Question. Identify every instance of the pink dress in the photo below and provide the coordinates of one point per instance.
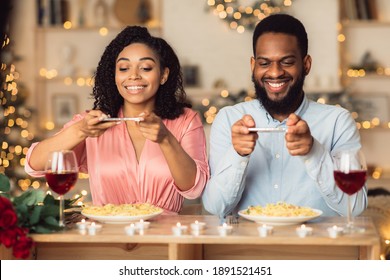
(116, 177)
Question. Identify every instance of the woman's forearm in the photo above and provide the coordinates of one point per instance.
(67, 139)
(182, 166)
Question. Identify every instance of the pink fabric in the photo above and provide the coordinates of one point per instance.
(116, 177)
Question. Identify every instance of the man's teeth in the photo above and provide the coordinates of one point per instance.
(134, 87)
(276, 84)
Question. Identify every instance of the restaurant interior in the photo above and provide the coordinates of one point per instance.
(52, 49)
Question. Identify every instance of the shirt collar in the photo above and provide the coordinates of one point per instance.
(299, 112)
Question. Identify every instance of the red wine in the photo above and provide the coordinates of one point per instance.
(61, 183)
(352, 182)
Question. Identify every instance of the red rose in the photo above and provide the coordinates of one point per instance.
(8, 218)
(5, 203)
(9, 236)
(22, 248)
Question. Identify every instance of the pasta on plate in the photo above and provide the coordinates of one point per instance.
(280, 209)
(137, 209)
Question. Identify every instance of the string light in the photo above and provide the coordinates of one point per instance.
(242, 17)
(14, 137)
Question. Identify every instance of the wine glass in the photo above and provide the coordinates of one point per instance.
(350, 174)
(61, 174)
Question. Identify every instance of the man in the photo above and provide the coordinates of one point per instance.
(256, 168)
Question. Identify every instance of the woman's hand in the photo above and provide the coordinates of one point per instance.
(92, 126)
(152, 127)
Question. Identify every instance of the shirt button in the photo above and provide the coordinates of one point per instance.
(243, 163)
(277, 155)
(307, 161)
(276, 186)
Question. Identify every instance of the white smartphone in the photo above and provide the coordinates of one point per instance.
(268, 129)
(121, 119)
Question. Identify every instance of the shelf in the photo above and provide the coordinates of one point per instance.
(365, 23)
(116, 29)
(370, 77)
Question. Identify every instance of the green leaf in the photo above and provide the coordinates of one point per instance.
(23, 198)
(35, 215)
(5, 185)
(50, 210)
(42, 229)
(49, 199)
(51, 221)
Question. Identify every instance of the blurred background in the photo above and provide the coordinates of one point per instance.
(52, 48)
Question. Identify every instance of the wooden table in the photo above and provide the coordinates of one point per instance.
(158, 242)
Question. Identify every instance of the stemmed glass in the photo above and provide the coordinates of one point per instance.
(61, 174)
(350, 174)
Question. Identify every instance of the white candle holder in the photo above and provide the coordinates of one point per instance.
(82, 225)
(93, 228)
(225, 229)
(265, 230)
(198, 226)
(335, 231)
(304, 231)
(130, 230)
(179, 229)
(142, 225)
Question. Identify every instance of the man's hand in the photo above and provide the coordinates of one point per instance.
(243, 140)
(298, 137)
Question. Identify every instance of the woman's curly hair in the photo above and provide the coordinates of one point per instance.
(170, 97)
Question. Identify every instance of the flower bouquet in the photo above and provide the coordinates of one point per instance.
(31, 212)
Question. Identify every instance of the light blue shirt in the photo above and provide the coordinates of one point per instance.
(270, 174)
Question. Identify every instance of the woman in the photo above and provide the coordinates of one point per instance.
(160, 159)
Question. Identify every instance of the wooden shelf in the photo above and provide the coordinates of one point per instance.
(364, 23)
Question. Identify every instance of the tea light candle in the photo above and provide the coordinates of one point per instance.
(198, 226)
(335, 231)
(130, 230)
(225, 229)
(179, 229)
(304, 231)
(265, 230)
(82, 225)
(93, 228)
(141, 225)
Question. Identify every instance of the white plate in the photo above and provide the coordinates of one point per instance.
(279, 221)
(121, 219)
(268, 129)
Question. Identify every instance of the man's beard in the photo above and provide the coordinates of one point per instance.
(287, 105)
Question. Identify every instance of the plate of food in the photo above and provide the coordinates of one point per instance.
(280, 214)
(121, 214)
